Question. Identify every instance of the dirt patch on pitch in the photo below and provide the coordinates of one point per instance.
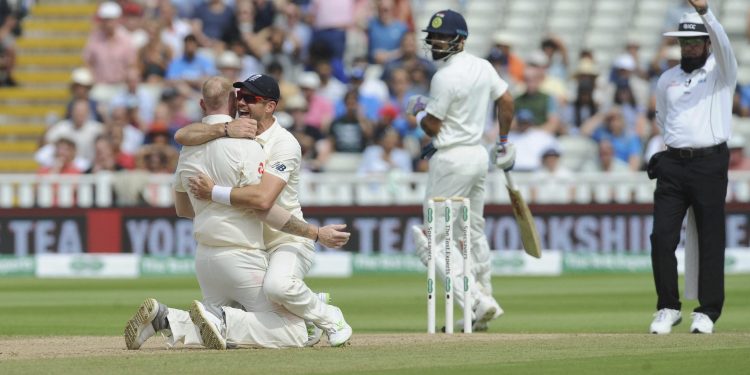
(24, 348)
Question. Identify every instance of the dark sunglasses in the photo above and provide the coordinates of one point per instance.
(690, 41)
(250, 98)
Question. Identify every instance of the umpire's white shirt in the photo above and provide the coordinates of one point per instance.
(284, 156)
(460, 93)
(695, 109)
(229, 162)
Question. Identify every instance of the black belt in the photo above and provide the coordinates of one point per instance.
(692, 153)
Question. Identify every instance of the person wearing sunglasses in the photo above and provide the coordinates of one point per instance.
(693, 110)
(290, 256)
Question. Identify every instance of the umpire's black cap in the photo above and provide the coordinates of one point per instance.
(261, 85)
(448, 22)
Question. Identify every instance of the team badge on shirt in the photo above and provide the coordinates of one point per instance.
(279, 166)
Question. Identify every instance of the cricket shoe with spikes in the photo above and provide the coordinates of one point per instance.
(209, 326)
(340, 333)
(151, 317)
(313, 332)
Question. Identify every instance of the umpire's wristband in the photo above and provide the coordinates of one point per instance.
(221, 194)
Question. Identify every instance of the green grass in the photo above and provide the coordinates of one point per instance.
(565, 325)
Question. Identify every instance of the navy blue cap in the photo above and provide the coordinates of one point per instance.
(261, 85)
(448, 22)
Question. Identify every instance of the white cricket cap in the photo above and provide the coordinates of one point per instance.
(109, 10)
(503, 38)
(82, 76)
(295, 102)
(538, 58)
(587, 66)
(691, 25)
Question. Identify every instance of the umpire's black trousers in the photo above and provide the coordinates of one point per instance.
(698, 179)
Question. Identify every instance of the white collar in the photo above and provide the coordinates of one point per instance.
(262, 138)
(216, 119)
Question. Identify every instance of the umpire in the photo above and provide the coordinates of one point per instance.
(693, 110)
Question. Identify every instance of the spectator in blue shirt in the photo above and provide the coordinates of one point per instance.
(384, 33)
(190, 68)
(627, 146)
(212, 18)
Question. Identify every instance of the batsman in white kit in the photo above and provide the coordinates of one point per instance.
(231, 260)
(454, 116)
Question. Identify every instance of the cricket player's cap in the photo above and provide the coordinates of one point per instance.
(691, 25)
(261, 85)
(447, 22)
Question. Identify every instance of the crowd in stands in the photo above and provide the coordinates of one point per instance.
(346, 70)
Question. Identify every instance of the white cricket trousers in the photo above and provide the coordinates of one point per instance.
(284, 284)
(462, 171)
(231, 282)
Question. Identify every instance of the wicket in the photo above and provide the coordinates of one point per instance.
(447, 207)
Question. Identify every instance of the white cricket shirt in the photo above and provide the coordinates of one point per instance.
(229, 162)
(695, 109)
(460, 93)
(284, 156)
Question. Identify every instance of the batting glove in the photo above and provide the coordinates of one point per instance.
(416, 103)
(505, 155)
(427, 151)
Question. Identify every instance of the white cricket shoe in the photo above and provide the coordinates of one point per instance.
(420, 241)
(209, 326)
(701, 323)
(341, 332)
(487, 309)
(313, 332)
(664, 320)
(141, 326)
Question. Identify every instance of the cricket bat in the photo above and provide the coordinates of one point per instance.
(526, 224)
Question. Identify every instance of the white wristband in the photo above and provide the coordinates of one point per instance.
(420, 115)
(221, 194)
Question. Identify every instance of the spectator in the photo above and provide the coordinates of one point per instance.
(607, 161)
(507, 63)
(132, 137)
(557, 57)
(622, 74)
(408, 58)
(370, 104)
(64, 156)
(633, 48)
(742, 99)
(123, 156)
(138, 100)
(610, 126)
(83, 131)
(299, 33)
(11, 13)
(243, 30)
(320, 111)
(287, 89)
(330, 86)
(386, 156)
(265, 13)
(104, 157)
(277, 52)
(372, 82)
(583, 106)
(635, 116)
(211, 20)
(173, 28)
(154, 56)
(109, 52)
(134, 22)
(81, 82)
(190, 69)
(158, 156)
(527, 136)
(229, 66)
(331, 19)
(384, 34)
(559, 181)
(315, 147)
(350, 132)
(541, 105)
